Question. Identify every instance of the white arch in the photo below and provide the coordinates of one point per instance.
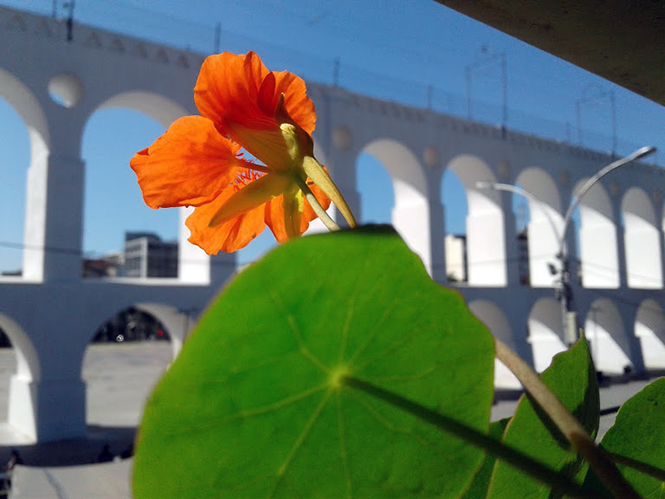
(642, 241)
(158, 107)
(607, 337)
(21, 98)
(485, 231)
(650, 329)
(124, 393)
(598, 239)
(193, 262)
(545, 224)
(545, 332)
(410, 214)
(495, 320)
(177, 324)
(14, 163)
(21, 414)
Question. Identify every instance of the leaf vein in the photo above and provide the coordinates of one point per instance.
(295, 329)
(392, 347)
(387, 424)
(300, 440)
(376, 328)
(342, 445)
(244, 414)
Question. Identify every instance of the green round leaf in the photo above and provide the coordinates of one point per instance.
(572, 377)
(255, 405)
(639, 433)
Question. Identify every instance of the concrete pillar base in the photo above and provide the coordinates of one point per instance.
(22, 406)
(48, 410)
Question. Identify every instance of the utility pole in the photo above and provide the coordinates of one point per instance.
(589, 99)
(336, 65)
(484, 63)
(70, 19)
(218, 37)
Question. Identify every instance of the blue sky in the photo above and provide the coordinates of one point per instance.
(403, 51)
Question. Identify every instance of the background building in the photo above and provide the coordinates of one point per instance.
(146, 255)
(456, 270)
(110, 265)
(523, 256)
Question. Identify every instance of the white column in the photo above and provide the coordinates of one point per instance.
(54, 219)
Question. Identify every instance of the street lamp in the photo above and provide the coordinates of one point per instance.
(518, 190)
(564, 292)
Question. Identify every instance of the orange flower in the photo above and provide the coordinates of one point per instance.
(198, 161)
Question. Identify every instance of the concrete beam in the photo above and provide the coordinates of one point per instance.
(618, 40)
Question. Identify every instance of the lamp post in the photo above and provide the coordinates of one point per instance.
(563, 291)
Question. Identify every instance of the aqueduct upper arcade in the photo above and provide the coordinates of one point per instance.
(51, 312)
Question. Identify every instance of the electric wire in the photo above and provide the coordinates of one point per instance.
(168, 29)
(576, 265)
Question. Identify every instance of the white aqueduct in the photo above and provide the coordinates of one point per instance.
(51, 312)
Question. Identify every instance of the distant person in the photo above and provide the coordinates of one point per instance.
(128, 452)
(14, 459)
(105, 455)
(6, 475)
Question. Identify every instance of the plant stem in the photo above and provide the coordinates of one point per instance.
(316, 206)
(640, 466)
(566, 422)
(514, 457)
(320, 177)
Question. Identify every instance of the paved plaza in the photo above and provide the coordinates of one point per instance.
(119, 378)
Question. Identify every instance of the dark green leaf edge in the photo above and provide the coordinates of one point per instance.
(587, 413)
(481, 481)
(622, 428)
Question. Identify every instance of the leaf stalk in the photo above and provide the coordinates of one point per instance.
(567, 423)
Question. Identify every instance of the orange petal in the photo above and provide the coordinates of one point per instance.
(235, 90)
(227, 91)
(190, 164)
(298, 105)
(229, 236)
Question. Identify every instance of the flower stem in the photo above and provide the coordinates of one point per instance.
(316, 206)
(512, 456)
(320, 177)
(604, 469)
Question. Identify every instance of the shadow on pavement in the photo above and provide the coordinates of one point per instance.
(74, 451)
